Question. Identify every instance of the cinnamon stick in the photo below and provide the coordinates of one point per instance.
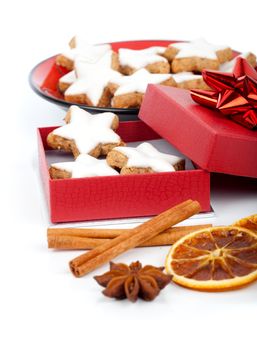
(107, 251)
(90, 238)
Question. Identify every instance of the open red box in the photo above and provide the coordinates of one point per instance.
(107, 197)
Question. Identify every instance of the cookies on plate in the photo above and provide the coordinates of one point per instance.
(229, 66)
(189, 80)
(151, 59)
(128, 91)
(100, 77)
(91, 84)
(194, 56)
(80, 48)
(66, 81)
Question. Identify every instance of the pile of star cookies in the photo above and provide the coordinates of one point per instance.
(100, 77)
(89, 137)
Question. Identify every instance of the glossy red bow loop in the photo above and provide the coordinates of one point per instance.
(234, 94)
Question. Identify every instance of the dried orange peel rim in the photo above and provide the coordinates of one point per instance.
(210, 285)
(249, 222)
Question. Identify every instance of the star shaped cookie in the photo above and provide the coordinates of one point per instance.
(197, 55)
(86, 134)
(66, 80)
(144, 158)
(79, 47)
(91, 85)
(83, 166)
(82, 67)
(138, 81)
(129, 90)
(150, 59)
(229, 66)
(189, 80)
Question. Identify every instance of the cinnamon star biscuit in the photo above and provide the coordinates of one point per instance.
(86, 134)
(79, 47)
(144, 158)
(91, 85)
(83, 166)
(150, 59)
(129, 90)
(197, 55)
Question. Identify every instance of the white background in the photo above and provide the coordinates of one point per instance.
(42, 306)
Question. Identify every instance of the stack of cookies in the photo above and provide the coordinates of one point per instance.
(100, 77)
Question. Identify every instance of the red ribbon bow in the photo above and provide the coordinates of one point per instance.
(234, 94)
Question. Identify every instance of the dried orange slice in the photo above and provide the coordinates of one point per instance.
(249, 222)
(214, 259)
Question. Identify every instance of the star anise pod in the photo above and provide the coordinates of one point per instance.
(133, 281)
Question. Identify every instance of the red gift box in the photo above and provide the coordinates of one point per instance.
(107, 197)
(214, 142)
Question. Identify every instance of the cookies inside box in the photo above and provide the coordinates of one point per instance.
(90, 145)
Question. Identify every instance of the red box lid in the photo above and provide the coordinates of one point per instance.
(212, 141)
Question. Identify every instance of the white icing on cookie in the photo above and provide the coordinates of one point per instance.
(89, 53)
(229, 66)
(79, 41)
(86, 166)
(197, 48)
(147, 156)
(185, 76)
(137, 82)
(141, 58)
(68, 78)
(92, 78)
(84, 68)
(88, 130)
(157, 50)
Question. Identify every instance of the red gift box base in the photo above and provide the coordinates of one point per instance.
(211, 140)
(120, 196)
